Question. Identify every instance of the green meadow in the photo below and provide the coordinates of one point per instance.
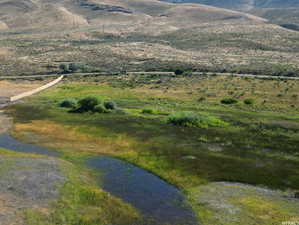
(180, 129)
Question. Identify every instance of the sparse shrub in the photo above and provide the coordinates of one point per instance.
(211, 94)
(229, 101)
(68, 103)
(249, 101)
(190, 119)
(100, 109)
(110, 105)
(201, 99)
(88, 104)
(148, 111)
(183, 71)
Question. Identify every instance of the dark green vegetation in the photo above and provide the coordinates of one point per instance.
(248, 101)
(256, 145)
(88, 104)
(190, 119)
(229, 101)
(68, 103)
(75, 68)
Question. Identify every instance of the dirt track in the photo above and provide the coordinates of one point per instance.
(9, 88)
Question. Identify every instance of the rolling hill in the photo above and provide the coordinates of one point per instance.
(285, 17)
(116, 35)
(243, 4)
(20, 14)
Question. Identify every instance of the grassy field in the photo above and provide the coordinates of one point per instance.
(254, 143)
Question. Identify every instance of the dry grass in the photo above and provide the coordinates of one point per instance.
(40, 36)
(9, 88)
(73, 139)
(270, 94)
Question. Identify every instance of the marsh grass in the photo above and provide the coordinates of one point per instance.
(190, 119)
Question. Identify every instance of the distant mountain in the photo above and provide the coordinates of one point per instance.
(244, 5)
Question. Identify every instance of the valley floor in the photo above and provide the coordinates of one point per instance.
(238, 166)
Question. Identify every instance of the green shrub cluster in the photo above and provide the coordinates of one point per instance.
(148, 111)
(190, 119)
(89, 104)
(229, 101)
(100, 109)
(74, 67)
(110, 105)
(68, 103)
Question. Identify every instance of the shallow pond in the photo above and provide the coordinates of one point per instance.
(160, 202)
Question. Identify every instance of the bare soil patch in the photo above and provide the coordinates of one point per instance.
(27, 183)
(5, 122)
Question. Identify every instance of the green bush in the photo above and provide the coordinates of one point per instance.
(88, 104)
(148, 111)
(100, 109)
(229, 101)
(178, 72)
(249, 101)
(74, 67)
(79, 67)
(64, 67)
(201, 99)
(110, 105)
(68, 103)
(190, 119)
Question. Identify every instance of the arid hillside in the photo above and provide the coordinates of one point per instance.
(44, 14)
(244, 4)
(289, 16)
(114, 35)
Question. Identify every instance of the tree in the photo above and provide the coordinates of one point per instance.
(73, 67)
(64, 67)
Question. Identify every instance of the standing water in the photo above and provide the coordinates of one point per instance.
(155, 198)
(8, 142)
(160, 202)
